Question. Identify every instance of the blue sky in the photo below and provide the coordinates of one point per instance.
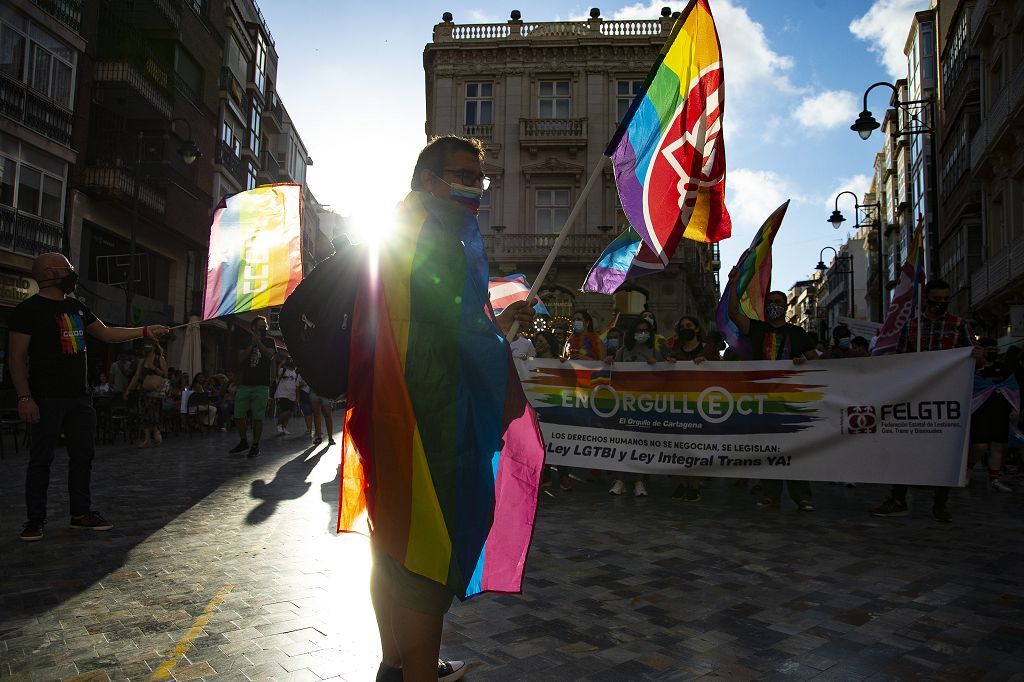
(351, 76)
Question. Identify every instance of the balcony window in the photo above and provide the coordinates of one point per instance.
(483, 216)
(12, 52)
(250, 176)
(624, 94)
(479, 103)
(52, 69)
(554, 99)
(8, 171)
(552, 210)
(260, 65)
(30, 184)
(255, 124)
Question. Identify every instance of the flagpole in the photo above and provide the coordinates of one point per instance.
(576, 209)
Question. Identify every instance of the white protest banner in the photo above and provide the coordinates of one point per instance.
(890, 419)
(860, 327)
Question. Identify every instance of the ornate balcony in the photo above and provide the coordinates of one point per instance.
(481, 131)
(67, 12)
(119, 182)
(24, 105)
(551, 30)
(552, 129)
(528, 248)
(140, 90)
(28, 234)
(234, 165)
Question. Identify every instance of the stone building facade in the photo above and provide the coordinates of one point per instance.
(545, 98)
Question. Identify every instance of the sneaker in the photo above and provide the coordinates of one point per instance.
(692, 495)
(32, 531)
(242, 446)
(318, 440)
(254, 451)
(941, 514)
(680, 492)
(890, 508)
(308, 433)
(639, 489)
(998, 485)
(331, 441)
(805, 506)
(766, 502)
(449, 671)
(91, 521)
(281, 430)
(565, 483)
(617, 488)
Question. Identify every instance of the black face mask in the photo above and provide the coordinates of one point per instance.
(687, 334)
(938, 307)
(67, 283)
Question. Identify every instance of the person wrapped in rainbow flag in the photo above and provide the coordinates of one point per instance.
(442, 449)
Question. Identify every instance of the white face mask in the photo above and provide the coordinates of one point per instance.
(642, 337)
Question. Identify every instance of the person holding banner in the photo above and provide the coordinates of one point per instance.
(937, 329)
(774, 339)
(583, 343)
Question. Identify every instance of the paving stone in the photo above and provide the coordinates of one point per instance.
(616, 589)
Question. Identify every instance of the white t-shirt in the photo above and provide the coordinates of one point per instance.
(522, 347)
(286, 384)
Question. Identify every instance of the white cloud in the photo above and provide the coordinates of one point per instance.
(754, 194)
(826, 110)
(858, 184)
(479, 16)
(749, 59)
(885, 27)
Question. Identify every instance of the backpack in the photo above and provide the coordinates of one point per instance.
(316, 320)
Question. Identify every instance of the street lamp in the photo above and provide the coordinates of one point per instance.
(913, 110)
(189, 152)
(837, 219)
(844, 266)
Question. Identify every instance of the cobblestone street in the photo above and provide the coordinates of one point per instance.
(228, 568)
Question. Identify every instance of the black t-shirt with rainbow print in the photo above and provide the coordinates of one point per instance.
(57, 364)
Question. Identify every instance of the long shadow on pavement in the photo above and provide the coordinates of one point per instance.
(289, 484)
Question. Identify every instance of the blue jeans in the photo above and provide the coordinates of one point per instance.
(76, 418)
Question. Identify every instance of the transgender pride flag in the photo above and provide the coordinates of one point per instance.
(509, 289)
(255, 258)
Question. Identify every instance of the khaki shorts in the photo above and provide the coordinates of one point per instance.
(407, 589)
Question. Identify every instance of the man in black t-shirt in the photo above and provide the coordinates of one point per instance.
(257, 366)
(774, 339)
(49, 370)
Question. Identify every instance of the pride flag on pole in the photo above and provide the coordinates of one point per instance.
(905, 298)
(255, 258)
(668, 153)
(509, 289)
(755, 277)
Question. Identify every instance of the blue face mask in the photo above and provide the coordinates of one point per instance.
(612, 344)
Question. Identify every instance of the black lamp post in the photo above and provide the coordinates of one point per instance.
(837, 219)
(844, 266)
(915, 111)
(189, 152)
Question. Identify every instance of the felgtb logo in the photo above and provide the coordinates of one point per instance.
(861, 419)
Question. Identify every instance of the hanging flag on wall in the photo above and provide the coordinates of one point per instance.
(255, 258)
(905, 298)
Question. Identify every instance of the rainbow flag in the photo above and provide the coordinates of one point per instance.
(627, 257)
(255, 258)
(668, 152)
(443, 450)
(906, 296)
(755, 277)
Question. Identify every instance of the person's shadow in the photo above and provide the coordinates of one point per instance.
(289, 484)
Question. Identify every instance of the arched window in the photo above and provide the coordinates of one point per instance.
(559, 301)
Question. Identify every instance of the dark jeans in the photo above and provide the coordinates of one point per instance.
(798, 490)
(76, 418)
(899, 493)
